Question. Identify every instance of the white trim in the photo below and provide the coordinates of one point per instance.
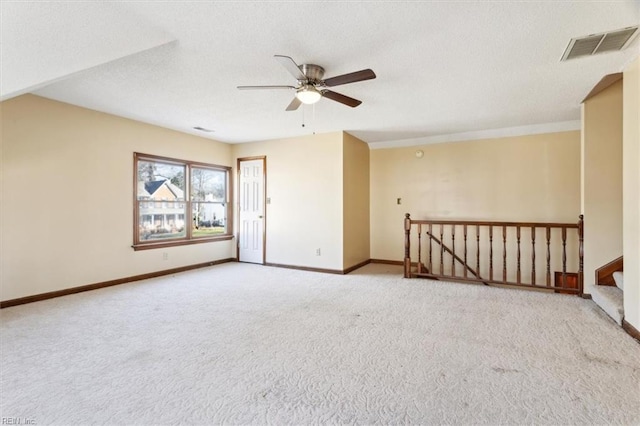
(535, 129)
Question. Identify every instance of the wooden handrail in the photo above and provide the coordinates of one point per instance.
(604, 274)
(485, 223)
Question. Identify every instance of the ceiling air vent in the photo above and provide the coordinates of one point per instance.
(202, 129)
(599, 43)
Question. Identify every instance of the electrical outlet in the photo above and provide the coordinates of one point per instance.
(318, 253)
(399, 201)
(165, 256)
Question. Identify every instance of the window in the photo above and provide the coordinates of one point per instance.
(168, 190)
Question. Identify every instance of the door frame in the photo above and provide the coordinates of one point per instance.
(264, 203)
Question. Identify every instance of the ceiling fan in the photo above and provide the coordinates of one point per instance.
(311, 87)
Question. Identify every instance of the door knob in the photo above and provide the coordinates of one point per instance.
(260, 217)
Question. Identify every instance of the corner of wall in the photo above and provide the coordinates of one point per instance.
(631, 192)
(356, 201)
(601, 179)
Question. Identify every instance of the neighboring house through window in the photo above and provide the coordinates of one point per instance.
(180, 202)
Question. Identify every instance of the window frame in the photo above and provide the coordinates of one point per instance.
(188, 204)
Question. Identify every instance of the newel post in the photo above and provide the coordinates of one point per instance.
(407, 246)
(581, 254)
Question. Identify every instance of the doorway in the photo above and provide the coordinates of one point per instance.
(251, 209)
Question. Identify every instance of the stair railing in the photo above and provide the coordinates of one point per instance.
(511, 245)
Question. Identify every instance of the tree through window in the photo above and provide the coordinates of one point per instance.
(179, 202)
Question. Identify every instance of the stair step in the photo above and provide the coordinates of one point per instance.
(610, 300)
(618, 278)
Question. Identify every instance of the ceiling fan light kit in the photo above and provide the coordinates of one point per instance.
(308, 94)
(311, 87)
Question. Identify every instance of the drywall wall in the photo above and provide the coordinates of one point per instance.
(304, 186)
(602, 180)
(631, 192)
(526, 178)
(67, 201)
(355, 201)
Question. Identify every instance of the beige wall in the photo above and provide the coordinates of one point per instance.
(527, 178)
(324, 189)
(602, 180)
(67, 202)
(355, 201)
(631, 192)
(304, 183)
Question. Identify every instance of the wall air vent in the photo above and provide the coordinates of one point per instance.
(599, 43)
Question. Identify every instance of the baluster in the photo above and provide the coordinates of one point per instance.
(419, 248)
(407, 246)
(465, 250)
(548, 257)
(430, 249)
(453, 250)
(478, 249)
(580, 254)
(564, 257)
(504, 253)
(518, 240)
(490, 252)
(441, 250)
(533, 255)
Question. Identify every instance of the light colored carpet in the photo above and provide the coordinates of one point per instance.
(247, 344)
(611, 300)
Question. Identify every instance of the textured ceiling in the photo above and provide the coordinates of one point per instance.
(443, 67)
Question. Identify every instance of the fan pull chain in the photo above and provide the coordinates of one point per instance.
(313, 118)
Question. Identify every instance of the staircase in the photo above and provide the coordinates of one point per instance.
(610, 298)
(608, 294)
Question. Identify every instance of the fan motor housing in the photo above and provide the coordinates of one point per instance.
(312, 71)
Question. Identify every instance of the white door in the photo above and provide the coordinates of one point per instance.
(251, 230)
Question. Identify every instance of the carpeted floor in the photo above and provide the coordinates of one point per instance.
(248, 344)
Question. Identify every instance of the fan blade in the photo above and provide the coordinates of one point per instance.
(350, 78)
(341, 98)
(291, 66)
(264, 87)
(294, 105)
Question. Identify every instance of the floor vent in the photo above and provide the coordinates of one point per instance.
(599, 43)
